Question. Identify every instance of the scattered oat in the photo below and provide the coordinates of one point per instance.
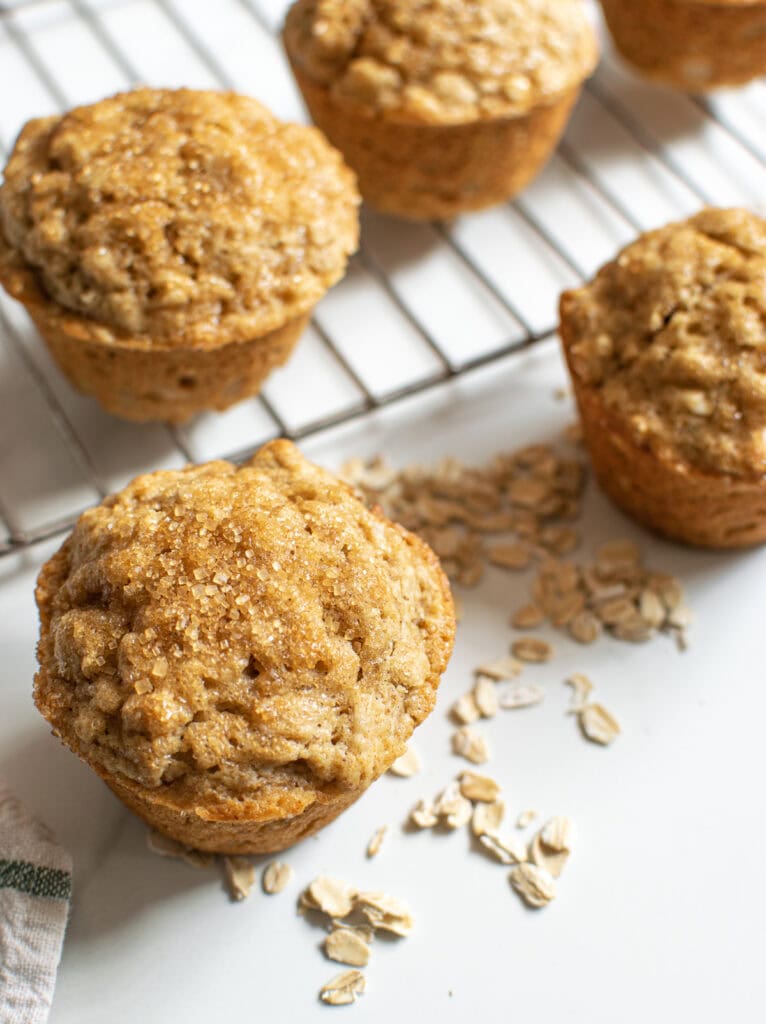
(276, 876)
(240, 876)
(615, 593)
(559, 540)
(558, 833)
(343, 989)
(651, 609)
(423, 815)
(479, 787)
(407, 765)
(453, 807)
(598, 724)
(525, 494)
(485, 697)
(618, 555)
(347, 946)
(529, 492)
(364, 931)
(164, 846)
(535, 885)
(680, 617)
(668, 589)
(460, 815)
(505, 849)
(500, 670)
(464, 709)
(551, 847)
(330, 895)
(525, 818)
(376, 841)
(585, 627)
(385, 913)
(532, 649)
(521, 695)
(528, 617)
(471, 745)
(552, 861)
(487, 818)
(509, 556)
(581, 690)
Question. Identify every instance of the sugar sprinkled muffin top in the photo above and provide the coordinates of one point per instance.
(178, 217)
(672, 334)
(442, 61)
(241, 633)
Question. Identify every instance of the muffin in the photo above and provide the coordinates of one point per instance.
(667, 352)
(170, 245)
(440, 106)
(695, 45)
(240, 651)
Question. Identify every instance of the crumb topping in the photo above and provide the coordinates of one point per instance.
(673, 336)
(442, 61)
(232, 632)
(178, 217)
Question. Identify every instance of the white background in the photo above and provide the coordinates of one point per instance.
(661, 909)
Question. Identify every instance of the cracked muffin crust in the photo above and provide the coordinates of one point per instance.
(667, 352)
(172, 220)
(694, 45)
(411, 90)
(240, 651)
(442, 61)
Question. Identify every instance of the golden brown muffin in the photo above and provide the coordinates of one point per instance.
(440, 106)
(170, 245)
(695, 45)
(667, 352)
(240, 651)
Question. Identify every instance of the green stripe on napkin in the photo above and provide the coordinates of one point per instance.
(37, 881)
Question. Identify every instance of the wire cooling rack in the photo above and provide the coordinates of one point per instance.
(421, 304)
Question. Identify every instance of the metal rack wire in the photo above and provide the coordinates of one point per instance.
(632, 158)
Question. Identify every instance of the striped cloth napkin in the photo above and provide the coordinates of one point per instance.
(35, 889)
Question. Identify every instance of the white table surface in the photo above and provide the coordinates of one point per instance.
(660, 914)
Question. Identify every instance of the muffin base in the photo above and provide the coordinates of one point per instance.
(170, 385)
(436, 172)
(237, 834)
(143, 382)
(691, 46)
(702, 509)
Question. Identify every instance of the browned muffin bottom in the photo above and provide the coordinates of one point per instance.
(175, 223)
(695, 45)
(667, 353)
(440, 107)
(240, 652)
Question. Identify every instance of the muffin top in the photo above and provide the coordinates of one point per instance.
(672, 334)
(241, 633)
(176, 217)
(442, 61)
